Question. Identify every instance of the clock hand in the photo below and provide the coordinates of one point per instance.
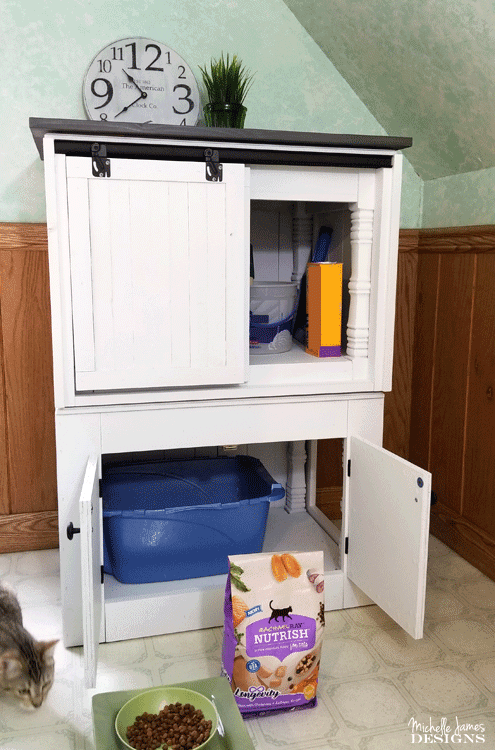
(131, 79)
(142, 96)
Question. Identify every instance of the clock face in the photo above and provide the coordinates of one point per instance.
(140, 80)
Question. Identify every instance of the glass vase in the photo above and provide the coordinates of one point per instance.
(223, 115)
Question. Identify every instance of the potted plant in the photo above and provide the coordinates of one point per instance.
(227, 83)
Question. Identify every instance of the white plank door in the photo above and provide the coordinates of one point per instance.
(92, 587)
(158, 266)
(389, 512)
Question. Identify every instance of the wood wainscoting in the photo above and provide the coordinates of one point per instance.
(28, 497)
(453, 386)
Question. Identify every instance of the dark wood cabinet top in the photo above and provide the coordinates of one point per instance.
(245, 137)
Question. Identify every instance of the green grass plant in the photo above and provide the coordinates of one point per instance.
(227, 80)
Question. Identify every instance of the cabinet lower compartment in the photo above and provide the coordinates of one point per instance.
(146, 609)
(385, 509)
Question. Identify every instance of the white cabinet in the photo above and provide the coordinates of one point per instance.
(149, 271)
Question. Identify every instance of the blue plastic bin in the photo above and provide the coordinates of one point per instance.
(169, 520)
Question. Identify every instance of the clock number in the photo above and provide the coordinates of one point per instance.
(133, 53)
(108, 93)
(184, 98)
(105, 66)
(117, 53)
(182, 71)
(158, 54)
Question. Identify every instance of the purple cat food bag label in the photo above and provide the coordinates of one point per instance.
(271, 650)
(265, 638)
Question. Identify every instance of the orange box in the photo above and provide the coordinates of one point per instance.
(324, 309)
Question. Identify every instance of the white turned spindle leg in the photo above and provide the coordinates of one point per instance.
(358, 323)
(295, 494)
(302, 240)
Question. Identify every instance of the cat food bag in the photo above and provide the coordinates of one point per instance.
(273, 633)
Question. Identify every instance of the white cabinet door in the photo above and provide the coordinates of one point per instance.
(92, 587)
(158, 274)
(389, 512)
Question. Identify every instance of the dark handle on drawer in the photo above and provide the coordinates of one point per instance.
(71, 530)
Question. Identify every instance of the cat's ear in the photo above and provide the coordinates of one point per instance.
(10, 666)
(47, 647)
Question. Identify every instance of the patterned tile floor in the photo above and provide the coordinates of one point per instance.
(375, 680)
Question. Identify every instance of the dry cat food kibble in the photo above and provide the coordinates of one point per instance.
(177, 727)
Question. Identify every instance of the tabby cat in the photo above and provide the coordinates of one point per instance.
(26, 665)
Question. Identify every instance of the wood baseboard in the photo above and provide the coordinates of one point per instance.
(25, 532)
(328, 500)
(464, 538)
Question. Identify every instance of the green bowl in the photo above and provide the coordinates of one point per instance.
(152, 701)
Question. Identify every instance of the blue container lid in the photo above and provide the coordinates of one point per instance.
(163, 487)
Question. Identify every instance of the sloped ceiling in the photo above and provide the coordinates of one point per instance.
(423, 68)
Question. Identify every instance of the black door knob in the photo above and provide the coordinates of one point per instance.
(71, 530)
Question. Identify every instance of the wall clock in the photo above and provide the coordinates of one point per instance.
(140, 80)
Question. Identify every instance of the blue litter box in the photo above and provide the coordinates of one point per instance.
(169, 520)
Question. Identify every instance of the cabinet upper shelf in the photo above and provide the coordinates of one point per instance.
(247, 138)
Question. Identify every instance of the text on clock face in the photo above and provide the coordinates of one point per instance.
(144, 85)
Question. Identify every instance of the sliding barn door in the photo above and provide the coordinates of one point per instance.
(157, 274)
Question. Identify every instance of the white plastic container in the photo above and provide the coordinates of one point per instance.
(272, 313)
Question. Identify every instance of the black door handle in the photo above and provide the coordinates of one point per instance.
(71, 530)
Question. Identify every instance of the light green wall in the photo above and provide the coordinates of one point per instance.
(412, 197)
(48, 45)
(461, 200)
(423, 67)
